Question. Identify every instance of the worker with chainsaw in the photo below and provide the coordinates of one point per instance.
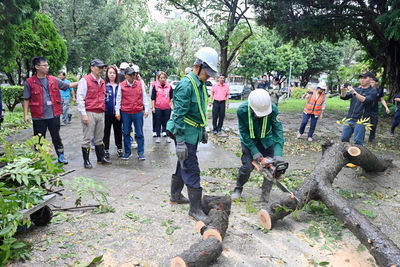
(187, 128)
(261, 135)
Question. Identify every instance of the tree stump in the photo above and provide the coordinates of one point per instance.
(200, 254)
(318, 186)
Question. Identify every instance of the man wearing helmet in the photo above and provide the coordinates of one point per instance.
(187, 127)
(261, 135)
(121, 73)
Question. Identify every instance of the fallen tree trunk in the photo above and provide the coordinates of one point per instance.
(199, 254)
(213, 231)
(318, 185)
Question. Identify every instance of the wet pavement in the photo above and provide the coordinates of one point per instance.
(138, 233)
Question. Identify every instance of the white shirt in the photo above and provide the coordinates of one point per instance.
(81, 94)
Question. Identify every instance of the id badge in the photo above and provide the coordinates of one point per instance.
(49, 103)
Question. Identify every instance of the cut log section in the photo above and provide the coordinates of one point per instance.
(216, 202)
(216, 225)
(199, 254)
(318, 186)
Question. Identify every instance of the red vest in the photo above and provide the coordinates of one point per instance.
(314, 105)
(162, 98)
(94, 100)
(36, 100)
(131, 97)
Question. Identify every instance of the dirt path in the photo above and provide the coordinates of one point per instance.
(145, 230)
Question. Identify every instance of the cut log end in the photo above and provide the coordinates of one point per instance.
(212, 232)
(198, 226)
(354, 151)
(265, 219)
(178, 262)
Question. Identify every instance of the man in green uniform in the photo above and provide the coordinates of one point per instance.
(187, 127)
(261, 135)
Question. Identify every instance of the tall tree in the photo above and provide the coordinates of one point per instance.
(225, 20)
(12, 14)
(105, 29)
(181, 39)
(320, 57)
(36, 37)
(374, 24)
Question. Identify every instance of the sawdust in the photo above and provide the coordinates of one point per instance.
(350, 258)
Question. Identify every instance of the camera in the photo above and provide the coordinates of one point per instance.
(346, 85)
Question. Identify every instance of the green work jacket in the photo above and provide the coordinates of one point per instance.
(185, 105)
(274, 131)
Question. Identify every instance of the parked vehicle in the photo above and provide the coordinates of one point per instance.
(209, 85)
(236, 91)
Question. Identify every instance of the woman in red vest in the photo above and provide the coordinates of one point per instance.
(161, 104)
(314, 109)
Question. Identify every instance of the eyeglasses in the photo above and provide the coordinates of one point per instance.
(45, 65)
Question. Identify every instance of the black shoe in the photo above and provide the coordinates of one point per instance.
(69, 117)
(176, 189)
(85, 154)
(195, 210)
(101, 155)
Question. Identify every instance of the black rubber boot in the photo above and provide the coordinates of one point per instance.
(176, 189)
(266, 190)
(86, 162)
(101, 155)
(237, 193)
(195, 210)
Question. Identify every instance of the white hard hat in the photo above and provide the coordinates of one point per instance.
(322, 85)
(136, 68)
(260, 102)
(124, 65)
(209, 56)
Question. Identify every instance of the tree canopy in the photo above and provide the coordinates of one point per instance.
(374, 24)
(36, 37)
(12, 14)
(225, 21)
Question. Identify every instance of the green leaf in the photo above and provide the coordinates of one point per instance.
(323, 263)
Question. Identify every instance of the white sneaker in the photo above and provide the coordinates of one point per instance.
(158, 140)
(168, 139)
(154, 134)
(164, 134)
(298, 135)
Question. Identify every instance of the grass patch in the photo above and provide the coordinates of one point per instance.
(294, 105)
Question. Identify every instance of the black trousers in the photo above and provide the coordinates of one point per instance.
(117, 126)
(374, 122)
(218, 114)
(247, 162)
(41, 126)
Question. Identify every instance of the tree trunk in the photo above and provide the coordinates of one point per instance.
(215, 226)
(393, 63)
(318, 185)
(200, 254)
(223, 45)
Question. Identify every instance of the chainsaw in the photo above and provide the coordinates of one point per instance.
(273, 170)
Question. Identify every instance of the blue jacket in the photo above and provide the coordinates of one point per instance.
(110, 99)
(361, 109)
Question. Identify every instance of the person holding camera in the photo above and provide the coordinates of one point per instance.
(361, 108)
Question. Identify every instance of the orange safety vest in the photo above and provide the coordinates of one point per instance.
(314, 105)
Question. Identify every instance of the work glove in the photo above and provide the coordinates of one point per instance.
(279, 159)
(258, 157)
(204, 138)
(181, 152)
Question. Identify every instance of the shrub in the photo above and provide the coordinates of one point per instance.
(298, 92)
(12, 96)
(71, 77)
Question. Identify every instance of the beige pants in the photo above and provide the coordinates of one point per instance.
(95, 129)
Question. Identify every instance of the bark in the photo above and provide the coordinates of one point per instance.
(215, 226)
(200, 254)
(318, 185)
(216, 202)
